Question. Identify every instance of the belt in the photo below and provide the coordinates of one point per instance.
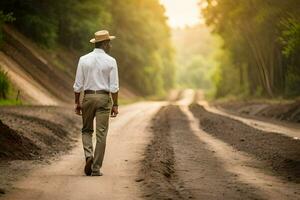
(95, 92)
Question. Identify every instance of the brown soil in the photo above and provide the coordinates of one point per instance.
(159, 178)
(63, 177)
(168, 157)
(279, 152)
(177, 165)
(50, 73)
(32, 132)
(14, 145)
(32, 60)
(30, 135)
(27, 89)
(280, 111)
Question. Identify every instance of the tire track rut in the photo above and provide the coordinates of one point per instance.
(280, 153)
(177, 165)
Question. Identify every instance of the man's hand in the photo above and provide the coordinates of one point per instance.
(78, 108)
(114, 111)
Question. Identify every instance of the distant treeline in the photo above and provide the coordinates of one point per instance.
(142, 48)
(197, 63)
(261, 46)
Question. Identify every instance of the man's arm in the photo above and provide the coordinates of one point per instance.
(77, 103)
(78, 85)
(115, 98)
(77, 98)
(114, 110)
(114, 88)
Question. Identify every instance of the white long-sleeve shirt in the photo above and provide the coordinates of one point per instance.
(97, 71)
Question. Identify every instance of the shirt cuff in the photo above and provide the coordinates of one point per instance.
(114, 90)
(77, 89)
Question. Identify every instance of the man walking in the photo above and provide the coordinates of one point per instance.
(97, 76)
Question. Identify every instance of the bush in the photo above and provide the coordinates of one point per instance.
(4, 84)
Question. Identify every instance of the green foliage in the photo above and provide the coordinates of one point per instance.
(196, 56)
(34, 18)
(69, 22)
(7, 90)
(290, 40)
(4, 84)
(290, 37)
(4, 18)
(10, 102)
(142, 48)
(197, 73)
(77, 23)
(262, 38)
(225, 78)
(41, 29)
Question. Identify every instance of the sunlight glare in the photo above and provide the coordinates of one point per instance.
(182, 13)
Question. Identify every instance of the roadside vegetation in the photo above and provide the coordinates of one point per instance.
(261, 47)
(3, 19)
(143, 47)
(4, 84)
(7, 91)
(196, 61)
(246, 50)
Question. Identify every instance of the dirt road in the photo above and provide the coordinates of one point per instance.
(64, 179)
(196, 154)
(160, 150)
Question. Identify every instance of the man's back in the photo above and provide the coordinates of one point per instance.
(97, 71)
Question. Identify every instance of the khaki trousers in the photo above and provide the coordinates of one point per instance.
(99, 106)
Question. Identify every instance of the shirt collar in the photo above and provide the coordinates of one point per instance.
(98, 50)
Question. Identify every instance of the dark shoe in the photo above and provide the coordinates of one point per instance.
(97, 173)
(88, 166)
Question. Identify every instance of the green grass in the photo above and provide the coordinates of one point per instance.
(10, 102)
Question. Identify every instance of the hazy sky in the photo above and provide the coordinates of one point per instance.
(182, 12)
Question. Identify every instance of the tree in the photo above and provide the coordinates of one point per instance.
(251, 31)
(143, 48)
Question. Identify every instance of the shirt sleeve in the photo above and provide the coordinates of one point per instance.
(78, 85)
(114, 78)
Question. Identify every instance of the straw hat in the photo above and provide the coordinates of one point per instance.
(101, 36)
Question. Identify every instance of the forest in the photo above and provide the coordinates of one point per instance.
(261, 47)
(143, 48)
(196, 61)
(245, 49)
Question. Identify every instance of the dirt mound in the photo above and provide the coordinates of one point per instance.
(29, 90)
(40, 64)
(14, 146)
(35, 132)
(279, 152)
(279, 111)
(287, 112)
(177, 165)
(158, 165)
